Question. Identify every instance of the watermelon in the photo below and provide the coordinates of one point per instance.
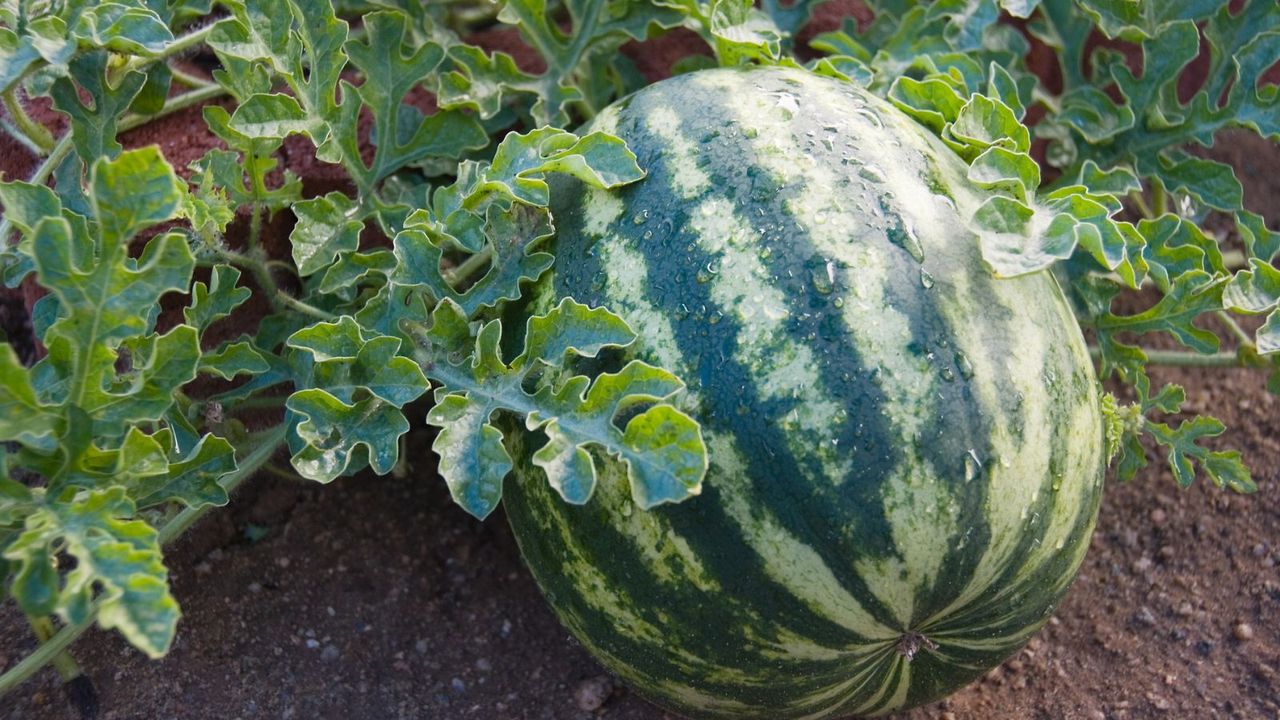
(906, 453)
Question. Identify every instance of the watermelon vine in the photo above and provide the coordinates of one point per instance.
(404, 296)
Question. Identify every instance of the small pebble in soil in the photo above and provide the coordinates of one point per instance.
(329, 653)
(483, 665)
(1144, 616)
(458, 686)
(1243, 632)
(1158, 516)
(313, 643)
(590, 694)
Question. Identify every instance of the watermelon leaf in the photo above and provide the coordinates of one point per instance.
(597, 29)
(349, 412)
(1224, 468)
(661, 446)
(118, 565)
(84, 416)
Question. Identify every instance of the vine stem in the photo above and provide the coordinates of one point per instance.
(278, 298)
(1235, 329)
(186, 78)
(37, 134)
(304, 308)
(179, 524)
(1180, 358)
(468, 267)
(66, 665)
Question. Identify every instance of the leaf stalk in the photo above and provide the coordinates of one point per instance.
(36, 134)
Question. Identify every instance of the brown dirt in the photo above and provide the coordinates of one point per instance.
(378, 598)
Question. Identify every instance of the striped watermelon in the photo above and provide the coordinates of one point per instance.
(906, 453)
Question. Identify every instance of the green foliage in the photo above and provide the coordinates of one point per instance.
(661, 446)
(1225, 469)
(84, 416)
(104, 422)
(583, 65)
(400, 297)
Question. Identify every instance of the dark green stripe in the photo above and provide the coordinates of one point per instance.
(815, 513)
(954, 429)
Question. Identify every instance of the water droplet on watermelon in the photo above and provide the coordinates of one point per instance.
(750, 133)
(972, 465)
(948, 374)
(822, 273)
(641, 217)
(872, 173)
(647, 234)
(682, 311)
(870, 116)
(789, 104)
(926, 279)
(904, 236)
(964, 366)
(714, 317)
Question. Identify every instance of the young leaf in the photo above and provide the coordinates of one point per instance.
(514, 232)
(1134, 21)
(93, 126)
(350, 405)
(117, 563)
(598, 29)
(232, 359)
(192, 478)
(126, 27)
(1257, 291)
(1224, 468)
(218, 299)
(327, 225)
(522, 161)
(401, 134)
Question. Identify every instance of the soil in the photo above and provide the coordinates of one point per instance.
(376, 597)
